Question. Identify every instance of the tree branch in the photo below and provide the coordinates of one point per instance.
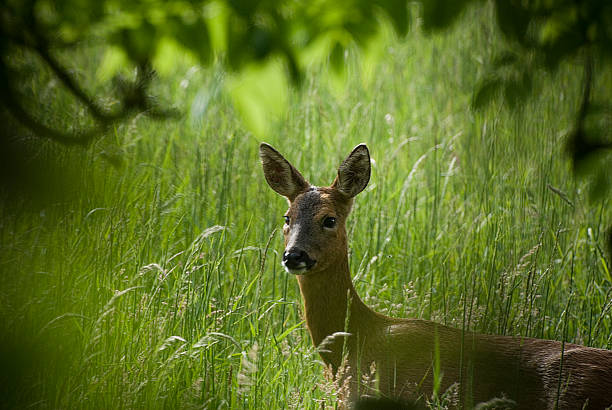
(72, 85)
(82, 138)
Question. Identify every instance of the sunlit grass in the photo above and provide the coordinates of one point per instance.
(160, 286)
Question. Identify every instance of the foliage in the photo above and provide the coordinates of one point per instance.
(542, 35)
(146, 35)
(264, 42)
(159, 285)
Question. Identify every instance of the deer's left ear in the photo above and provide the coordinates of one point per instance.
(354, 172)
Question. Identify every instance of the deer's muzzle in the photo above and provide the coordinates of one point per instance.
(297, 261)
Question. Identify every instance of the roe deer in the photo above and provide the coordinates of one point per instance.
(534, 373)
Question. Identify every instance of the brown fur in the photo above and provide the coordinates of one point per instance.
(525, 370)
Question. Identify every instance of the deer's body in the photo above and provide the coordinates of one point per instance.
(535, 373)
(525, 370)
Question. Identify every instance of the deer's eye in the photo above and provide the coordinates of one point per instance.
(286, 219)
(329, 222)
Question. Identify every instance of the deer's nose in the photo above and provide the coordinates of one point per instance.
(296, 259)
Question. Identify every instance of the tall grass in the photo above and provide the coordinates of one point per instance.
(159, 284)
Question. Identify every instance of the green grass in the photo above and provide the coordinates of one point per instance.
(159, 284)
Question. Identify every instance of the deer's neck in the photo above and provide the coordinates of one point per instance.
(329, 296)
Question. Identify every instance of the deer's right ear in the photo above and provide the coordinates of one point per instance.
(280, 174)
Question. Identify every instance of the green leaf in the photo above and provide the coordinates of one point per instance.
(140, 42)
(398, 13)
(168, 53)
(568, 44)
(193, 35)
(516, 88)
(237, 42)
(262, 42)
(244, 8)
(216, 15)
(486, 91)
(114, 59)
(259, 93)
(336, 58)
(440, 14)
(600, 183)
(512, 19)
(317, 51)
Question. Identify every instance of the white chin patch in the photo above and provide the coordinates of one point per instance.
(297, 271)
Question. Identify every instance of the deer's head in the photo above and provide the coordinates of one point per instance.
(314, 229)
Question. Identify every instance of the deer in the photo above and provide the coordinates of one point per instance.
(412, 357)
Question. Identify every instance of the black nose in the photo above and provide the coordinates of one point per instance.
(295, 258)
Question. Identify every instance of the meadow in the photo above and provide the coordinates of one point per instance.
(157, 283)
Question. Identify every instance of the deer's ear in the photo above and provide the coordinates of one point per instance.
(354, 172)
(280, 174)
